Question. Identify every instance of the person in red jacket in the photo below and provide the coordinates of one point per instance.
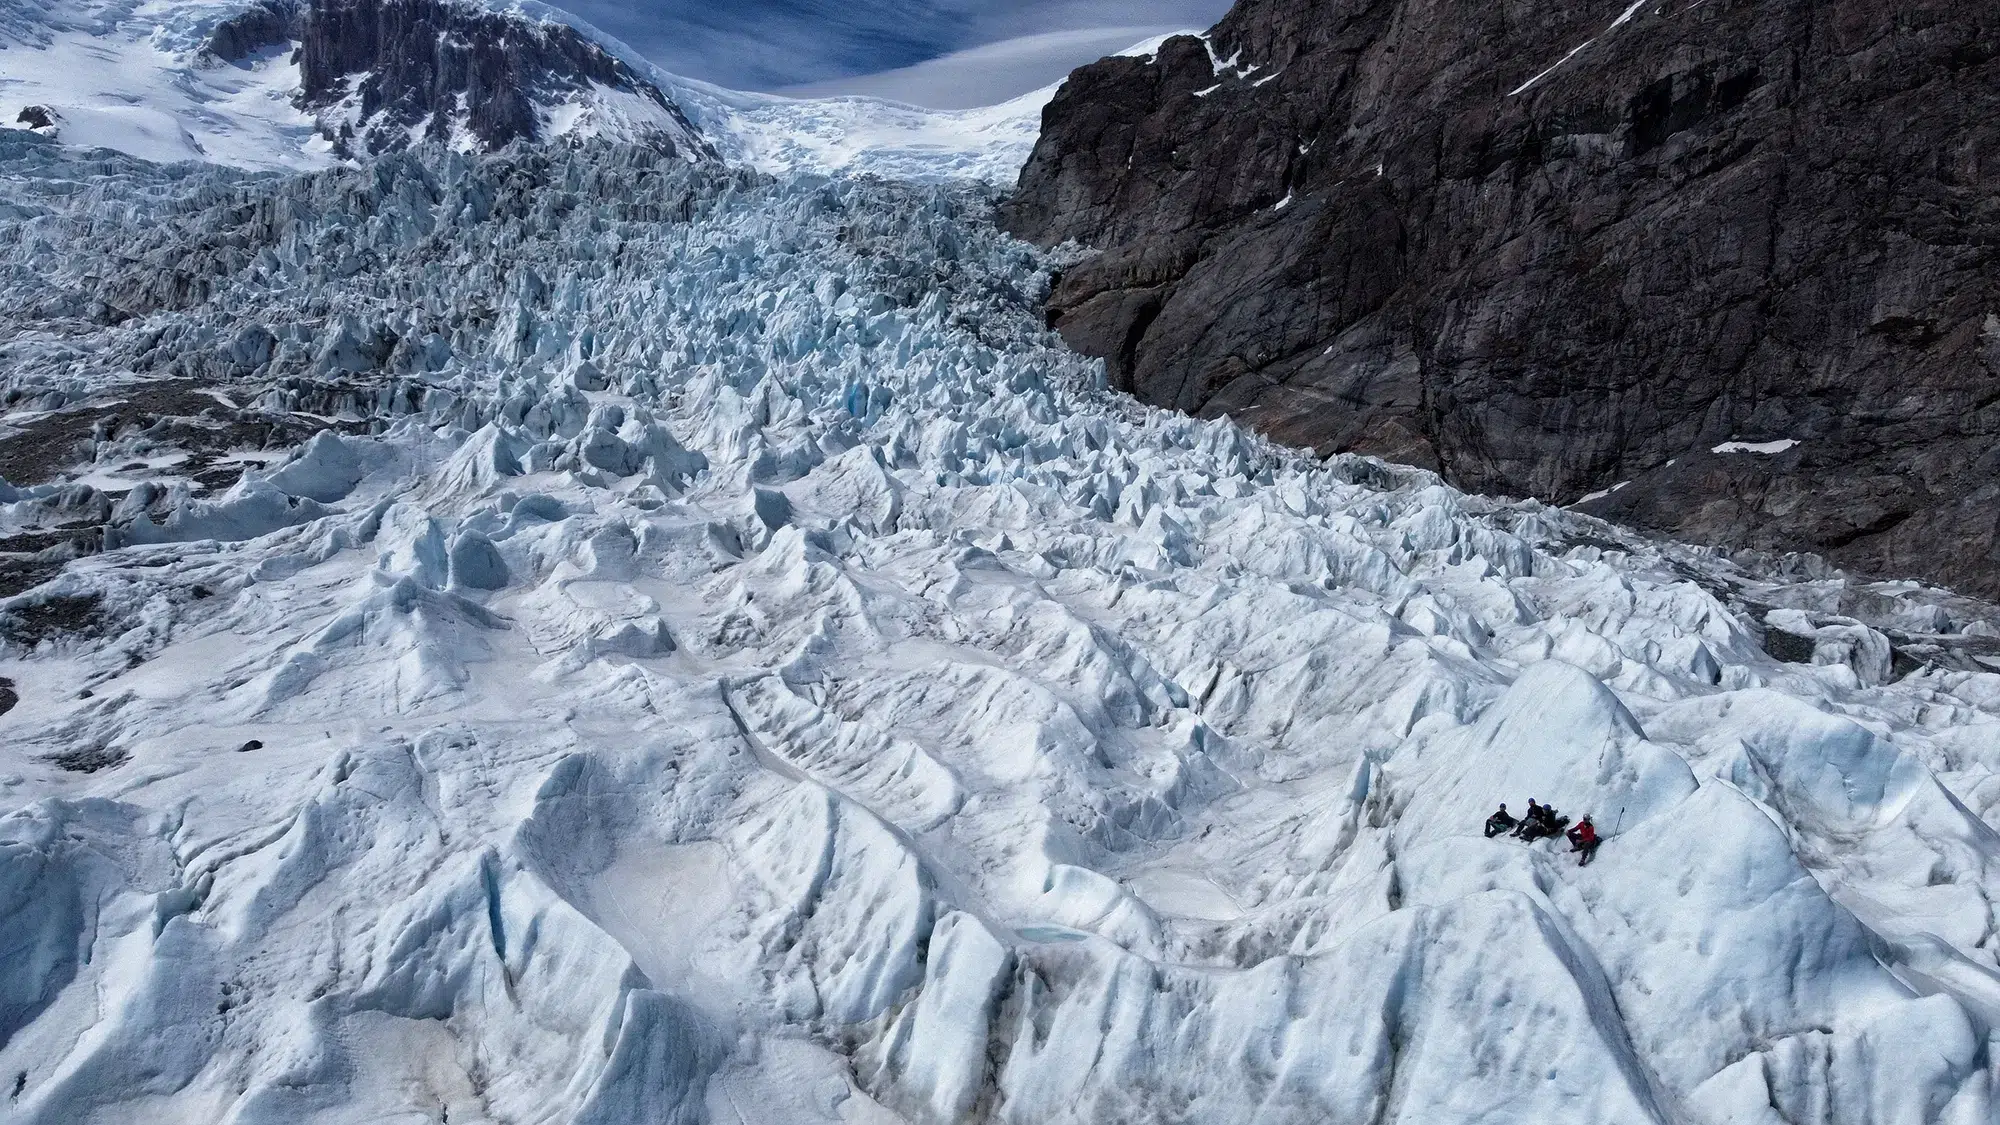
(1583, 838)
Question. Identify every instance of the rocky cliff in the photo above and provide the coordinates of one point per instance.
(1558, 248)
(382, 74)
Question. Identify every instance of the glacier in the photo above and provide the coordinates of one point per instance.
(585, 637)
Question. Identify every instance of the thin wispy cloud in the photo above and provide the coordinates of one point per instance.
(980, 52)
(989, 73)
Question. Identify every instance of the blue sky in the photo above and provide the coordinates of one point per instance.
(945, 53)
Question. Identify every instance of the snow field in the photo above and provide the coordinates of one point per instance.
(132, 77)
(721, 660)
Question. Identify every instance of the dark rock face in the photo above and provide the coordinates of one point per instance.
(386, 72)
(38, 117)
(1554, 247)
(271, 23)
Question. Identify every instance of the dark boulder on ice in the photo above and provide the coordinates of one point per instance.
(262, 26)
(1551, 252)
(36, 117)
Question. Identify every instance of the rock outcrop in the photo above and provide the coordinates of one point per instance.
(1551, 250)
(262, 26)
(383, 74)
(39, 118)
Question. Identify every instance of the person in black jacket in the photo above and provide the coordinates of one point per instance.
(1527, 822)
(1499, 822)
(1545, 821)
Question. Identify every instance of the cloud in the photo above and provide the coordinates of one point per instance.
(990, 73)
(1021, 18)
(778, 44)
(761, 44)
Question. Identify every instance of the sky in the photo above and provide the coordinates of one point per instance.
(946, 54)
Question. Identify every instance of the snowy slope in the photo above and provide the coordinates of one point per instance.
(141, 79)
(865, 136)
(591, 639)
(853, 135)
(132, 77)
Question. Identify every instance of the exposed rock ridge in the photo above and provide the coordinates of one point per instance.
(263, 25)
(1550, 250)
(383, 74)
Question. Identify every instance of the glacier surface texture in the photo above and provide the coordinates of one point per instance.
(577, 636)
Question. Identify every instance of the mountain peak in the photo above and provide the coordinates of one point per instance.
(379, 75)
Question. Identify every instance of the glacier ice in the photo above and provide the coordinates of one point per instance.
(713, 656)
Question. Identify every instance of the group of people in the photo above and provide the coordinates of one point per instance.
(1543, 820)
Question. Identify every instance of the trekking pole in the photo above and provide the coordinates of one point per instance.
(1621, 820)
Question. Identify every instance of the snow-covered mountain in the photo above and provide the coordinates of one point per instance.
(277, 83)
(383, 74)
(593, 637)
(285, 84)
